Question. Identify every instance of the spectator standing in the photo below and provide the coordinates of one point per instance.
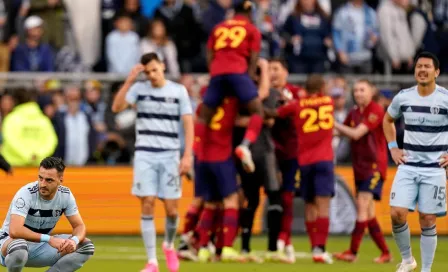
(33, 55)
(441, 20)
(77, 137)
(217, 11)
(422, 30)
(158, 41)
(122, 46)
(265, 20)
(186, 32)
(397, 44)
(341, 146)
(355, 33)
(28, 135)
(141, 23)
(4, 49)
(94, 105)
(53, 14)
(309, 37)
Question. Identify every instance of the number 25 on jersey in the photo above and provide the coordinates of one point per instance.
(229, 37)
(317, 119)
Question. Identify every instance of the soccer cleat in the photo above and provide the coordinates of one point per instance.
(187, 255)
(277, 257)
(230, 255)
(346, 256)
(204, 255)
(150, 267)
(384, 258)
(172, 261)
(324, 258)
(290, 253)
(407, 267)
(244, 154)
(251, 257)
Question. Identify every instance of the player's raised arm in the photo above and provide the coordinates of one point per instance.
(264, 83)
(123, 99)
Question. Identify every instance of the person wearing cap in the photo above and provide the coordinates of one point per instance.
(33, 55)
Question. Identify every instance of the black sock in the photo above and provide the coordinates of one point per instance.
(247, 219)
(274, 219)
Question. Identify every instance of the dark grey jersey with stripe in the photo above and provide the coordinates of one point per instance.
(41, 215)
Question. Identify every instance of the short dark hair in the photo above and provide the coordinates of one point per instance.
(280, 60)
(53, 163)
(428, 55)
(22, 96)
(122, 14)
(244, 7)
(148, 57)
(314, 83)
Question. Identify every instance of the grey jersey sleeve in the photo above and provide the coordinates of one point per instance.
(72, 207)
(394, 109)
(22, 202)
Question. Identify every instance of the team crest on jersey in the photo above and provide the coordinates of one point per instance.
(57, 213)
(435, 110)
(20, 203)
(372, 118)
(421, 119)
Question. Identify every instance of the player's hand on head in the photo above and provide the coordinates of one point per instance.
(263, 64)
(185, 165)
(398, 156)
(136, 70)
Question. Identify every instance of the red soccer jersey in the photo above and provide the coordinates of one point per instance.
(217, 145)
(232, 41)
(314, 120)
(369, 154)
(284, 132)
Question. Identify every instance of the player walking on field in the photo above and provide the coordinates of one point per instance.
(25, 239)
(313, 115)
(232, 54)
(420, 178)
(160, 105)
(363, 126)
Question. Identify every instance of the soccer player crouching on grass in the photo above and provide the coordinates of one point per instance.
(160, 105)
(363, 126)
(25, 239)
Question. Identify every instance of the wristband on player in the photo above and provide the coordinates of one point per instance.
(44, 238)
(75, 238)
(392, 145)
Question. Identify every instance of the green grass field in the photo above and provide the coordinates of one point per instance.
(127, 254)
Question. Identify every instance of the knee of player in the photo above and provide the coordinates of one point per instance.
(427, 220)
(398, 215)
(172, 213)
(86, 247)
(17, 252)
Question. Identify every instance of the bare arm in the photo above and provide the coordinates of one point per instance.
(352, 133)
(253, 61)
(120, 103)
(79, 228)
(264, 83)
(389, 128)
(17, 230)
(210, 56)
(270, 113)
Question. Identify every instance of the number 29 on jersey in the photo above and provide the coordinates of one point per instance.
(229, 37)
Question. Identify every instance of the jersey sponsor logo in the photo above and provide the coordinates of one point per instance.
(20, 203)
(421, 119)
(372, 118)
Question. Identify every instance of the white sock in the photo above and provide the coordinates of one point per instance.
(149, 237)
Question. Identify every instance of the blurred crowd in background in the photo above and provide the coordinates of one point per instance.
(313, 36)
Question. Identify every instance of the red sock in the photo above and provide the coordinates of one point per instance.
(205, 225)
(219, 227)
(253, 128)
(191, 219)
(357, 235)
(323, 227)
(377, 235)
(287, 217)
(230, 226)
(311, 229)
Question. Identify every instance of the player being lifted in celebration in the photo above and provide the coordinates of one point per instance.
(314, 119)
(160, 105)
(25, 239)
(420, 179)
(363, 126)
(232, 44)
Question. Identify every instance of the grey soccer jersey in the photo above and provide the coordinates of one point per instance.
(41, 215)
(426, 126)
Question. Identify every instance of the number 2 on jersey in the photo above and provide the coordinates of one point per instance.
(317, 119)
(215, 125)
(235, 34)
